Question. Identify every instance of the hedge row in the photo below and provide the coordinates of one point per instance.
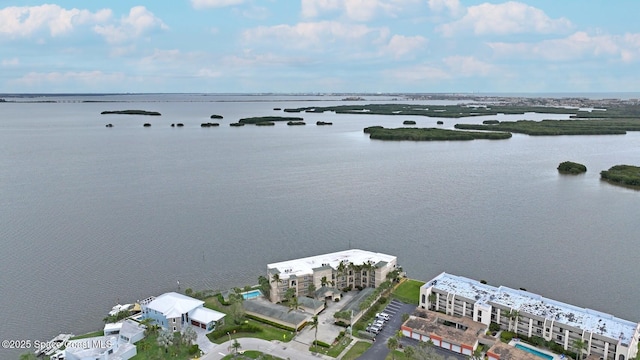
(274, 324)
(247, 328)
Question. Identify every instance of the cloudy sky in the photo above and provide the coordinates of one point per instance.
(240, 46)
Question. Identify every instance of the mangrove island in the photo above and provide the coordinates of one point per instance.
(622, 175)
(430, 134)
(131, 112)
(569, 167)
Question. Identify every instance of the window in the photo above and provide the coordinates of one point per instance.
(479, 313)
(559, 337)
(424, 298)
(539, 331)
(539, 323)
(174, 328)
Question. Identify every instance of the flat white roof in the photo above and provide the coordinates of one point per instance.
(173, 305)
(529, 303)
(306, 265)
(205, 316)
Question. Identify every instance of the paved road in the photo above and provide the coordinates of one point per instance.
(290, 350)
(395, 309)
(447, 354)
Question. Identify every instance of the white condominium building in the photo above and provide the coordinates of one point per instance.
(530, 315)
(348, 269)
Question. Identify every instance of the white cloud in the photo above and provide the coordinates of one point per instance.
(467, 66)
(24, 21)
(10, 62)
(400, 45)
(210, 73)
(452, 6)
(91, 78)
(358, 10)
(579, 45)
(418, 74)
(203, 4)
(316, 35)
(139, 22)
(503, 19)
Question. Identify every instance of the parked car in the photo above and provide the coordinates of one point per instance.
(383, 316)
(375, 329)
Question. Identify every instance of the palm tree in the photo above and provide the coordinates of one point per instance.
(409, 352)
(293, 304)
(579, 345)
(236, 345)
(392, 344)
(311, 289)
(314, 325)
(514, 315)
(189, 335)
(165, 339)
(341, 270)
(276, 279)
(324, 281)
(432, 300)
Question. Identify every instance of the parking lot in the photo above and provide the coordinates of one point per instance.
(394, 309)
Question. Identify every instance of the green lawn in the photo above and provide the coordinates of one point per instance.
(252, 354)
(148, 349)
(408, 291)
(396, 355)
(357, 350)
(268, 333)
(88, 335)
(333, 351)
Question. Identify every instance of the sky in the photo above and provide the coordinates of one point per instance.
(319, 46)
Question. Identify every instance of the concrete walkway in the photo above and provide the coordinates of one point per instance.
(290, 350)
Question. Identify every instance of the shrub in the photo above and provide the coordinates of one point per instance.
(506, 336)
(194, 349)
(321, 344)
(247, 328)
(494, 327)
(538, 341)
(274, 324)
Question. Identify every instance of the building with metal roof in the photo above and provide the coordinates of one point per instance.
(531, 314)
(348, 269)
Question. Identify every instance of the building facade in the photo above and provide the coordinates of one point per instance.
(343, 270)
(173, 311)
(530, 315)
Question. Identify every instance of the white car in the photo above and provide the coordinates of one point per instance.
(375, 329)
(383, 316)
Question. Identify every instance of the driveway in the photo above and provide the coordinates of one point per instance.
(395, 309)
(276, 348)
(327, 331)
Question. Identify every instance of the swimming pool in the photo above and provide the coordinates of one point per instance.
(534, 352)
(251, 294)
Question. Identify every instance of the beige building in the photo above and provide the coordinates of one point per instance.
(349, 269)
(530, 315)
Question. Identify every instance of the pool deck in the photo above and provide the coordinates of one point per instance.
(514, 342)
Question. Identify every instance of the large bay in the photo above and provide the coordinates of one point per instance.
(92, 216)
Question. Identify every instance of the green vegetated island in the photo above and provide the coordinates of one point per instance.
(627, 175)
(558, 127)
(431, 134)
(570, 167)
(612, 119)
(266, 119)
(442, 111)
(131, 112)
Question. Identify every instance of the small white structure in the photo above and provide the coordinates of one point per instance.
(117, 343)
(173, 311)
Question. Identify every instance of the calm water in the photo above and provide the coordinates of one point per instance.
(91, 216)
